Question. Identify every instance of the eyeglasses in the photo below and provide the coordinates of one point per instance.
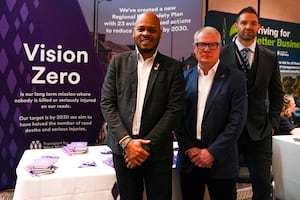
(203, 45)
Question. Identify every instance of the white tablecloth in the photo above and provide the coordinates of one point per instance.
(69, 181)
(286, 167)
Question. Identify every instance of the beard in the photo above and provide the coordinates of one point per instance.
(146, 50)
(247, 36)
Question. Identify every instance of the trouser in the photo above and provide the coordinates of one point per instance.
(258, 159)
(156, 175)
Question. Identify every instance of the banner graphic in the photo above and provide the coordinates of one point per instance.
(281, 37)
(114, 22)
(53, 58)
(50, 77)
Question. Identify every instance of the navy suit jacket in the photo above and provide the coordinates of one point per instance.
(266, 96)
(163, 103)
(223, 120)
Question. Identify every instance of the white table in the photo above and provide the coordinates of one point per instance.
(69, 182)
(286, 167)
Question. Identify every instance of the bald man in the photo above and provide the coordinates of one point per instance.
(142, 100)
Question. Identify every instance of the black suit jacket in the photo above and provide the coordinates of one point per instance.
(163, 104)
(265, 96)
(223, 120)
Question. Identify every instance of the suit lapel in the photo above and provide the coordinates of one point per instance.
(260, 65)
(156, 67)
(218, 82)
(232, 58)
(194, 85)
(133, 73)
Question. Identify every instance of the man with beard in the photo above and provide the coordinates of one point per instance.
(142, 101)
(265, 99)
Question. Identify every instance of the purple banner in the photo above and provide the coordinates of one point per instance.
(114, 21)
(50, 78)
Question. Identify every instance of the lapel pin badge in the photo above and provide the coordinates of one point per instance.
(156, 66)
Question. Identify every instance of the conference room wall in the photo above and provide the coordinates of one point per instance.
(282, 10)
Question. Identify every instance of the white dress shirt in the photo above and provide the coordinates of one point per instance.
(204, 86)
(144, 69)
(250, 53)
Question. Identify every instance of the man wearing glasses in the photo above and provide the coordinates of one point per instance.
(214, 115)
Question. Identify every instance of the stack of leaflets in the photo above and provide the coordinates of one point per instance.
(43, 165)
(75, 148)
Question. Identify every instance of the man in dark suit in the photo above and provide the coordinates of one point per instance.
(214, 115)
(264, 99)
(142, 100)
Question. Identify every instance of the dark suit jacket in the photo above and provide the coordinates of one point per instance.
(163, 104)
(265, 97)
(223, 120)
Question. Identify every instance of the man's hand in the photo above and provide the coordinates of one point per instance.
(135, 154)
(200, 157)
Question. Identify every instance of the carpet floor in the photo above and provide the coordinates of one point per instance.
(244, 192)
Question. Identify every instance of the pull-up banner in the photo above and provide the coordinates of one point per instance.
(281, 37)
(50, 79)
(115, 20)
(51, 73)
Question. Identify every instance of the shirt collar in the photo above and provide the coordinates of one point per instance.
(139, 55)
(213, 69)
(240, 46)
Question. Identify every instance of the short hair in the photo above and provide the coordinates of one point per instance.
(207, 29)
(248, 9)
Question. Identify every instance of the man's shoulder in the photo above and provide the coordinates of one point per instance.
(190, 71)
(266, 50)
(227, 46)
(227, 49)
(233, 73)
(166, 58)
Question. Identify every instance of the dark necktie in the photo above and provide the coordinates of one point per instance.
(245, 58)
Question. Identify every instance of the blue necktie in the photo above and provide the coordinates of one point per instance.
(245, 58)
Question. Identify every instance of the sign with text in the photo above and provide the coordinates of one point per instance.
(53, 56)
(50, 77)
(281, 37)
(179, 21)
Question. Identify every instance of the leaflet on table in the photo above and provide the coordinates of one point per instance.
(75, 148)
(41, 166)
(42, 163)
(109, 162)
(39, 172)
(106, 150)
(88, 164)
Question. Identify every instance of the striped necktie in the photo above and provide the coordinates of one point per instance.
(245, 52)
